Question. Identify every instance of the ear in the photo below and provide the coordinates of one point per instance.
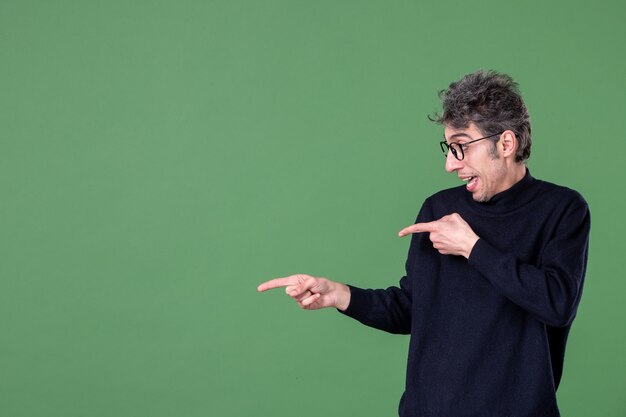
(508, 143)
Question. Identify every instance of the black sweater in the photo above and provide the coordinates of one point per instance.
(488, 333)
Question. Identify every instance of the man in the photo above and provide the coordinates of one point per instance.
(494, 273)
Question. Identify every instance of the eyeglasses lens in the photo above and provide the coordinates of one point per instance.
(455, 148)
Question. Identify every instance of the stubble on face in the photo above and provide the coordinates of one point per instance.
(482, 167)
(485, 168)
(489, 181)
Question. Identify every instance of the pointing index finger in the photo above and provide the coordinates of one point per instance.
(274, 283)
(417, 228)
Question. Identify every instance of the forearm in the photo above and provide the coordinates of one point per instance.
(550, 292)
(384, 309)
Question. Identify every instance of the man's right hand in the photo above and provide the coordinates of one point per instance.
(312, 293)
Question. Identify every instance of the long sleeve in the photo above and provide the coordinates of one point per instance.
(550, 289)
(390, 309)
(384, 309)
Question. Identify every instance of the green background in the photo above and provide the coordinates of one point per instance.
(158, 160)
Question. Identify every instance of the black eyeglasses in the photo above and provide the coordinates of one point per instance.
(457, 148)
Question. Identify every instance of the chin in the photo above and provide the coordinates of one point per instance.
(481, 198)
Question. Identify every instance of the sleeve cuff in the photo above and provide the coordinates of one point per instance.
(483, 256)
(357, 302)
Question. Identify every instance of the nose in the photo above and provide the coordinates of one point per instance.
(452, 164)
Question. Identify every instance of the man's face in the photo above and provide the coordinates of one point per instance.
(484, 170)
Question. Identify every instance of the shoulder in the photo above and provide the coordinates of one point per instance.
(559, 194)
(565, 206)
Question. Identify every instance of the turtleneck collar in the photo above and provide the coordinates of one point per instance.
(507, 200)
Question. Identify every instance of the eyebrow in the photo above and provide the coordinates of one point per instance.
(456, 135)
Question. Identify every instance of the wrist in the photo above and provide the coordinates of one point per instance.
(471, 245)
(342, 299)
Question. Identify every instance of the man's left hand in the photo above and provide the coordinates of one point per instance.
(451, 235)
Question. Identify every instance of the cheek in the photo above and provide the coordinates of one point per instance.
(495, 173)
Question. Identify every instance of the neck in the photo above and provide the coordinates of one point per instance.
(515, 173)
(513, 196)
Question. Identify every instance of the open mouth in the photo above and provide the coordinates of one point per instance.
(471, 182)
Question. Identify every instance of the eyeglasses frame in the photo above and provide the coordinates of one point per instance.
(445, 147)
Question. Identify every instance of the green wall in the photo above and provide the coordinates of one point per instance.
(160, 159)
